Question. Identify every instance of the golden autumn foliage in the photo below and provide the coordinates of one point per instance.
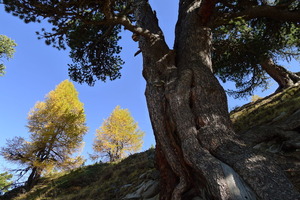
(118, 136)
(58, 124)
(57, 127)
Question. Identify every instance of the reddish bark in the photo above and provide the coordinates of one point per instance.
(283, 77)
(198, 153)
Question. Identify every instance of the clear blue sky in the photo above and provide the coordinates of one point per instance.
(37, 68)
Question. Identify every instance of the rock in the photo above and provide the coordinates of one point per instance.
(143, 176)
(152, 189)
(151, 175)
(154, 198)
(147, 189)
(275, 148)
(126, 186)
(292, 122)
(260, 146)
(280, 116)
(132, 196)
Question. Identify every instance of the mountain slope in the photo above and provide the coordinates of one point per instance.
(102, 181)
(270, 125)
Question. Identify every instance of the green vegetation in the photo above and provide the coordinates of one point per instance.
(113, 181)
(242, 46)
(91, 30)
(266, 110)
(7, 50)
(101, 181)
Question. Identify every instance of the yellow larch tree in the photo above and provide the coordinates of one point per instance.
(57, 127)
(118, 136)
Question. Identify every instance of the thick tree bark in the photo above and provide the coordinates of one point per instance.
(198, 153)
(33, 178)
(283, 77)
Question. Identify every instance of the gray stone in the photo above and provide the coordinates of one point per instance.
(280, 116)
(126, 186)
(275, 148)
(292, 122)
(152, 189)
(146, 189)
(132, 196)
(260, 146)
(154, 198)
(143, 176)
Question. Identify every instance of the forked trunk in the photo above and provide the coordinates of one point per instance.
(282, 76)
(198, 153)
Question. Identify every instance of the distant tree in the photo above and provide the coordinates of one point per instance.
(198, 153)
(57, 127)
(255, 98)
(118, 136)
(6, 51)
(5, 181)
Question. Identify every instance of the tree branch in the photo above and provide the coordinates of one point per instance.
(272, 12)
(135, 29)
(206, 10)
(107, 9)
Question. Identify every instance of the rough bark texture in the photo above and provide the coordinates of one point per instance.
(198, 153)
(33, 178)
(283, 77)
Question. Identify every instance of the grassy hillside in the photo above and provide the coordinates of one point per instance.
(268, 110)
(103, 181)
(272, 126)
(112, 181)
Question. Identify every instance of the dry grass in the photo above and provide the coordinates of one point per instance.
(102, 181)
(264, 111)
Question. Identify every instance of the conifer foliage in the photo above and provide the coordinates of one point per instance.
(57, 126)
(7, 49)
(118, 136)
(196, 146)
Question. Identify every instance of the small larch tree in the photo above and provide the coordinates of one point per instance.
(57, 126)
(198, 153)
(118, 136)
(7, 50)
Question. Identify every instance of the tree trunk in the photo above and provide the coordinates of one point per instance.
(33, 178)
(198, 153)
(283, 77)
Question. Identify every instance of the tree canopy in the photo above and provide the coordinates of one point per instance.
(57, 126)
(243, 44)
(245, 34)
(196, 146)
(7, 50)
(118, 136)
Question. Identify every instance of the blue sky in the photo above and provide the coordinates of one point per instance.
(37, 68)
